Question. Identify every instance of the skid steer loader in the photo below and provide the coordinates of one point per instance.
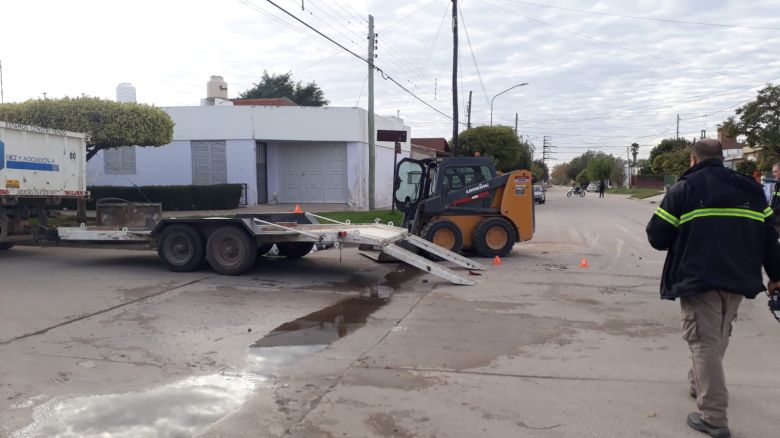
(461, 203)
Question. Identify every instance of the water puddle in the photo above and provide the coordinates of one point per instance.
(180, 409)
(187, 407)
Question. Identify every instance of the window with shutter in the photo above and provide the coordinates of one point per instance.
(209, 162)
(119, 161)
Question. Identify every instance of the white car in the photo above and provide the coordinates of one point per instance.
(539, 195)
(593, 187)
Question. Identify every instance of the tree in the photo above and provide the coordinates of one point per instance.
(747, 167)
(540, 171)
(558, 174)
(108, 124)
(759, 120)
(674, 163)
(600, 167)
(498, 142)
(618, 174)
(283, 86)
(578, 164)
(675, 160)
(634, 152)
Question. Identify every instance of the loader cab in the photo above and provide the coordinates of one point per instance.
(417, 181)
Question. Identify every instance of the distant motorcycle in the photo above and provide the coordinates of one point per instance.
(576, 191)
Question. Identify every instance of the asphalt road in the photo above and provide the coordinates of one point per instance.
(109, 343)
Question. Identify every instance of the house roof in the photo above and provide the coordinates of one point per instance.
(265, 101)
(437, 144)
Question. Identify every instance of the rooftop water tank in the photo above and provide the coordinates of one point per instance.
(125, 92)
(216, 87)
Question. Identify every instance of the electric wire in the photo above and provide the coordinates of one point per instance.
(474, 57)
(635, 17)
(600, 41)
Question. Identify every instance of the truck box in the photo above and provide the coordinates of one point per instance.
(39, 162)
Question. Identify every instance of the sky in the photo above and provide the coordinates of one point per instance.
(601, 74)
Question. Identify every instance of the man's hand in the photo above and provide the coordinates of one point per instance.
(772, 287)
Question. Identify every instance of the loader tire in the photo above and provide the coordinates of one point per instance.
(230, 251)
(5, 245)
(493, 236)
(294, 250)
(181, 248)
(443, 233)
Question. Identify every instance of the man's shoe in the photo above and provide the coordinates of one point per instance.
(696, 423)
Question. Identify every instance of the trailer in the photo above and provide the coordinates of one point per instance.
(39, 167)
(231, 246)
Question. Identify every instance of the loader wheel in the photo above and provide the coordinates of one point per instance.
(181, 248)
(443, 233)
(230, 251)
(294, 250)
(493, 236)
(5, 245)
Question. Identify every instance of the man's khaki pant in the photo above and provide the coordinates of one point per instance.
(706, 324)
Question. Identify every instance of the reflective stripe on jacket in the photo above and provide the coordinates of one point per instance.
(718, 230)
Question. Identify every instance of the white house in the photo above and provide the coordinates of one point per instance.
(284, 154)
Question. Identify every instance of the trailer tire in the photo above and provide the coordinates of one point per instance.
(230, 251)
(5, 245)
(444, 233)
(181, 248)
(294, 250)
(493, 236)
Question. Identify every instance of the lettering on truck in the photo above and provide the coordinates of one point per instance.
(477, 188)
(31, 163)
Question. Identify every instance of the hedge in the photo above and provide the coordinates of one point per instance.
(173, 198)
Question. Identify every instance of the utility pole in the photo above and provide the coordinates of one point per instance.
(455, 77)
(628, 160)
(2, 100)
(371, 130)
(546, 148)
(468, 113)
(678, 127)
(515, 123)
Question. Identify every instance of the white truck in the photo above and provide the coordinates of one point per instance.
(39, 167)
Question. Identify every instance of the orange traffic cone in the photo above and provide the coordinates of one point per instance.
(497, 260)
(584, 263)
(297, 209)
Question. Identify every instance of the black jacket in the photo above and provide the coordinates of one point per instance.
(774, 198)
(718, 230)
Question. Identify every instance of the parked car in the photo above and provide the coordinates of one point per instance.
(593, 187)
(539, 194)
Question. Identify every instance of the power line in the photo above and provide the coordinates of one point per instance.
(588, 37)
(385, 29)
(473, 57)
(635, 17)
(384, 75)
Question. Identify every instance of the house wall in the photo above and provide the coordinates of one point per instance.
(241, 126)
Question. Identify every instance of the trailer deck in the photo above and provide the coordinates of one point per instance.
(231, 245)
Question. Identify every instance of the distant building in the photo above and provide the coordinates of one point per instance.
(430, 148)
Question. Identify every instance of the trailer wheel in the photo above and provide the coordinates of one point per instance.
(263, 249)
(444, 233)
(294, 250)
(181, 248)
(230, 251)
(493, 236)
(5, 245)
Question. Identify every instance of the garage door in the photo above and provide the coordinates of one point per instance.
(314, 173)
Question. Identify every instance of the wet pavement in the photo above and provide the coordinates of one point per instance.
(540, 348)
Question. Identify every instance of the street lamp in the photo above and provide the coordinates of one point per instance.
(494, 98)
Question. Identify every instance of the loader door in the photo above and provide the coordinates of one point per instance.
(409, 184)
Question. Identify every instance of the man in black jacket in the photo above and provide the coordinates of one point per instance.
(719, 232)
(774, 196)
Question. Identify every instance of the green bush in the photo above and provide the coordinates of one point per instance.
(173, 198)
